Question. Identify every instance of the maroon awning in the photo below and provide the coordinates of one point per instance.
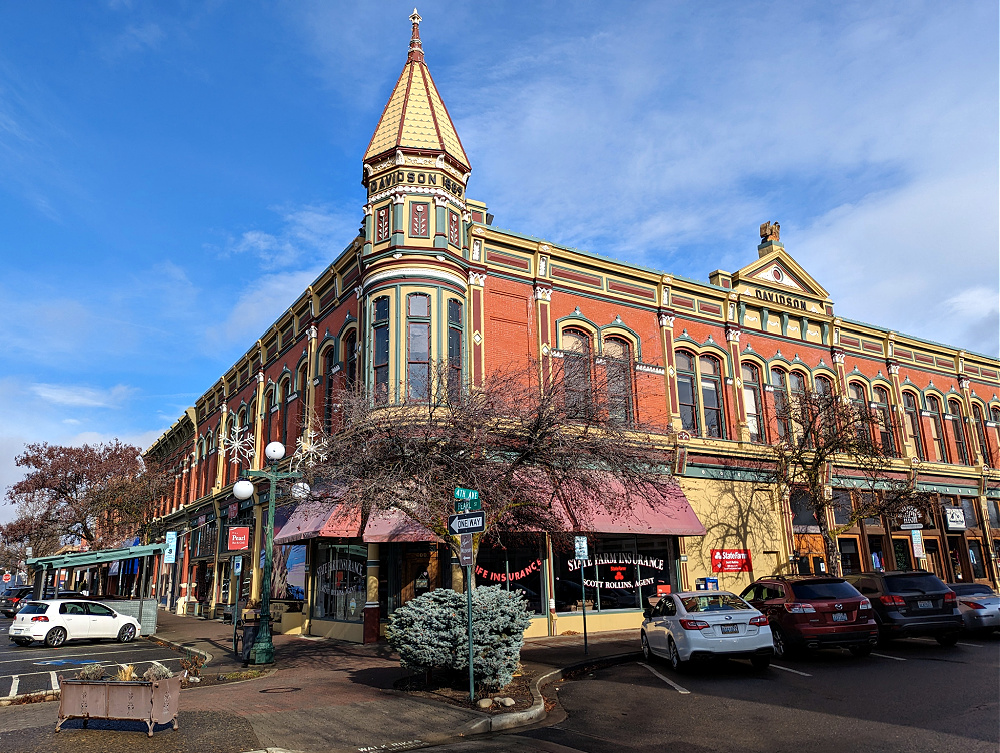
(394, 525)
(655, 509)
(313, 519)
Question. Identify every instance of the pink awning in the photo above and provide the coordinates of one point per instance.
(312, 519)
(660, 509)
(393, 525)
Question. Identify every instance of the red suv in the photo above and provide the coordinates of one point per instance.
(814, 612)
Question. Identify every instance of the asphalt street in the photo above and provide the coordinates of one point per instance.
(36, 667)
(912, 695)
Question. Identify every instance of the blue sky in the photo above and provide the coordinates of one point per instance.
(172, 175)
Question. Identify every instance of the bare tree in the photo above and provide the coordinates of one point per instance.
(822, 433)
(94, 493)
(545, 451)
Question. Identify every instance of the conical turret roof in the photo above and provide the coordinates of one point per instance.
(415, 117)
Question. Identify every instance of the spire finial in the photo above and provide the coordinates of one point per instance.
(416, 50)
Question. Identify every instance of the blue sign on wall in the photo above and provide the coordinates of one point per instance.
(170, 556)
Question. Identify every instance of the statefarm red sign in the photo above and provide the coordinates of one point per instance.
(239, 538)
(730, 561)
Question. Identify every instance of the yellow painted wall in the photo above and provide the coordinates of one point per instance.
(341, 631)
(735, 516)
(291, 623)
(597, 622)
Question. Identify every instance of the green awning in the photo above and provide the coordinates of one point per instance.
(85, 559)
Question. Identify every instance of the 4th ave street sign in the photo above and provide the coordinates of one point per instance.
(467, 500)
(470, 522)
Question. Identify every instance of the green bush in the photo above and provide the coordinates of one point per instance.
(430, 632)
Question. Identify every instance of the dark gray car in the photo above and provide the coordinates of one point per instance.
(912, 603)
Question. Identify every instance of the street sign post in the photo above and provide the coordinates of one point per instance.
(582, 555)
(469, 522)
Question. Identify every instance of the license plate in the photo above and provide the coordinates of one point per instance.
(15, 630)
(730, 629)
(925, 604)
(839, 617)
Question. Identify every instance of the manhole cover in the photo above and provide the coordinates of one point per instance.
(280, 690)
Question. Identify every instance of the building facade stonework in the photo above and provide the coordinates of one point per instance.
(429, 280)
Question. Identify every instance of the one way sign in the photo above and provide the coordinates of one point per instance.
(470, 522)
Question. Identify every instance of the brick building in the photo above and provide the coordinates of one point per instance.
(429, 280)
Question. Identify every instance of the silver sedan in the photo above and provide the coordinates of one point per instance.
(979, 605)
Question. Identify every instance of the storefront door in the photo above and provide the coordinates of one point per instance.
(901, 553)
(877, 555)
(955, 553)
(850, 558)
(934, 561)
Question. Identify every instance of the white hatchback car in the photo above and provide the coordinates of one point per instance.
(702, 624)
(56, 621)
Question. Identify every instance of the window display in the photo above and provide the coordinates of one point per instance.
(515, 563)
(340, 582)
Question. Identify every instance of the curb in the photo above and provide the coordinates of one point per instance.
(181, 647)
(537, 712)
(38, 696)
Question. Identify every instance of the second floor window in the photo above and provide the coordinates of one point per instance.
(618, 362)
(883, 415)
(912, 413)
(856, 396)
(936, 430)
(687, 394)
(984, 444)
(380, 351)
(351, 359)
(751, 401)
(418, 358)
(779, 381)
(455, 324)
(711, 397)
(958, 425)
(576, 360)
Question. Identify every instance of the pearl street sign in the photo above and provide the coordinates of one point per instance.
(467, 500)
(470, 522)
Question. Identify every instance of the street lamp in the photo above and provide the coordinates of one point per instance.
(262, 651)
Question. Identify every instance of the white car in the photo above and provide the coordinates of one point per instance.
(703, 624)
(56, 621)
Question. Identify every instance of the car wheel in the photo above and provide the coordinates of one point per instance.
(948, 639)
(55, 637)
(760, 662)
(781, 648)
(647, 654)
(860, 651)
(676, 662)
(127, 633)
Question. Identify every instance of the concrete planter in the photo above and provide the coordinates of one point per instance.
(150, 702)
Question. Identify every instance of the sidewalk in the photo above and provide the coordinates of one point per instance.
(323, 695)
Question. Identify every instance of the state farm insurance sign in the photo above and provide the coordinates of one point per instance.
(239, 538)
(730, 561)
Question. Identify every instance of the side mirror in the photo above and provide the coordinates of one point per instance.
(647, 612)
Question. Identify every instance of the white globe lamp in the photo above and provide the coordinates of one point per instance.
(243, 489)
(275, 451)
(300, 490)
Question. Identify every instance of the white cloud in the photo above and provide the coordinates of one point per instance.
(84, 397)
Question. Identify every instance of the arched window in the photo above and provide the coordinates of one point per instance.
(824, 386)
(958, 424)
(797, 384)
(711, 396)
(456, 323)
(937, 430)
(912, 413)
(244, 424)
(752, 402)
(884, 417)
(269, 406)
(329, 364)
(858, 399)
(418, 349)
(984, 444)
(995, 414)
(302, 387)
(618, 359)
(380, 351)
(350, 359)
(687, 394)
(284, 395)
(576, 357)
(782, 409)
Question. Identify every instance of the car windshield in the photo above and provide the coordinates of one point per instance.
(971, 589)
(824, 589)
(721, 602)
(34, 607)
(921, 583)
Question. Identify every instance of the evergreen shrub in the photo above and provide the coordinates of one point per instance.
(430, 632)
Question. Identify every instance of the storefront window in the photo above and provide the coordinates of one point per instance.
(622, 573)
(993, 509)
(969, 506)
(850, 561)
(340, 582)
(976, 559)
(878, 557)
(516, 565)
(841, 506)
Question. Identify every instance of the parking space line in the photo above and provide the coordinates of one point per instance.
(14, 682)
(110, 664)
(789, 669)
(55, 654)
(886, 656)
(671, 683)
(931, 640)
(55, 681)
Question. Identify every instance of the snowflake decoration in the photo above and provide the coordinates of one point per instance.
(241, 446)
(310, 450)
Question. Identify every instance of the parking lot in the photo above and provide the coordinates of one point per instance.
(36, 667)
